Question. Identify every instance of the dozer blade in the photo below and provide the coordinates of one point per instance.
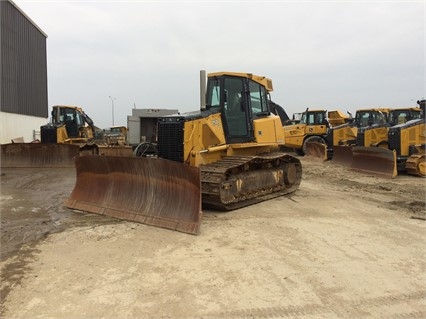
(151, 191)
(316, 150)
(342, 155)
(378, 161)
(38, 155)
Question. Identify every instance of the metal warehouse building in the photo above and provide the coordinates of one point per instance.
(23, 75)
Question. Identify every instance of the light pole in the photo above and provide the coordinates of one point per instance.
(112, 104)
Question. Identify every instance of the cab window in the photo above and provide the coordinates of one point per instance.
(258, 99)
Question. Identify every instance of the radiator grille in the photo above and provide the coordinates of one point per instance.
(170, 138)
(48, 134)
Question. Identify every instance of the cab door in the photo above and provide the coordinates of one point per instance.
(235, 111)
(316, 123)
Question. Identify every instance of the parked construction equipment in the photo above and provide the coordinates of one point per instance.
(342, 138)
(71, 132)
(376, 135)
(309, 135)
(117, 135)
(69, 125)
(228, 154)
(401, 148)
(115, 143)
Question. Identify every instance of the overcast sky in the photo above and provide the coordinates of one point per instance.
(319, 54)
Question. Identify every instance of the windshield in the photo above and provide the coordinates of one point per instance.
(115, 130)
(367, 118)
(402, 116)
(67, 115)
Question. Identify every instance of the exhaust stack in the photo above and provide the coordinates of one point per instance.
(203, 84)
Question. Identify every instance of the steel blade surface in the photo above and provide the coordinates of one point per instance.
(378, 161)
(342, 155)
(151, 191)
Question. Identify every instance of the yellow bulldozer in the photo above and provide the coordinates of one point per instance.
(343, 137)
(376, 135)
(117, 136)
(383, 150)
(226, 156)
(115, 143)
(70, 133)
(69, 125)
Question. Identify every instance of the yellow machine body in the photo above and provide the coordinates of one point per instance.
(311, 131)
(205, 142)
(312, 123)
(229, 154)
(376, 135)
(342, 138)
(346, 134)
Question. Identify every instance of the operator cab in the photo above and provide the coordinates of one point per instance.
(69, 116)
(240, 100)
(368, 118)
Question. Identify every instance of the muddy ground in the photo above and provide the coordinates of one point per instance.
(345, 245)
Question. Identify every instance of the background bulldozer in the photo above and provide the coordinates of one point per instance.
(66, 136)
(226, 156)
(70, 133)
(69, 125)
(376, 135)
(384, 150)
(342, 138)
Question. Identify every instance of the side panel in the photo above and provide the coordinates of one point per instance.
(414, 135)
(268, 130)
(345, 135)
(294, 135)
(202, 139)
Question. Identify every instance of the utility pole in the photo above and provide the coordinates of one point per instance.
(112, 104)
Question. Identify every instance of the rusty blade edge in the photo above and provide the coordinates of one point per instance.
(192, 228)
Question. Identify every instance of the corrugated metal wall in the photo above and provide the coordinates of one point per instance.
(23, 88)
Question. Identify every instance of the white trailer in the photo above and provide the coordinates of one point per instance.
(142, 124)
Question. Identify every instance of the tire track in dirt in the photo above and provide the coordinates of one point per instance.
(332, 307)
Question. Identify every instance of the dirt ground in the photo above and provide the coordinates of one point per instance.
(345, 245)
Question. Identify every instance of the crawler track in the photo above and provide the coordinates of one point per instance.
(238, 181)
(416, 165)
